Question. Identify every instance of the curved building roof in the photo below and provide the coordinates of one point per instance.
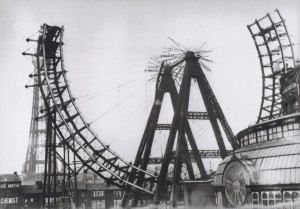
(268, 163)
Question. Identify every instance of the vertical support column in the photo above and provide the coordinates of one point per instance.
(212, 117)
(75, 177)
(47, 151)
(191, 139)
(181, 124)
(64, 189)
(142, 157)
(181, 112)
(53, 147)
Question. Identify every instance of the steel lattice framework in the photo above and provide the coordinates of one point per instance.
(35, 156)
(81, 149)
(180, 129)
(203, 153)
(275, 52)
(72, 146)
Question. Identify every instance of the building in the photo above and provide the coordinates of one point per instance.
(91, 193)
(98, 196)
(10, 191)
(198, 194)
(265, 170)
(32, 195)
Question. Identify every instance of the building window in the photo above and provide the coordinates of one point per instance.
(117, 194)
(117, 203)
(271, 198)
(287, 197)
(290, 196)
(255, 198)
(288, 130)
(98, 204)
(264, 199)
(252, 138)
(97, 193)
(219, 199)
(265, 135)
(279, 132)
(246, 142)
(295, 196)
(270, 133)
(278, 197)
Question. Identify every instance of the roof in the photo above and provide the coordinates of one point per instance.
(263, 124)
(96, 186)
(279, 118)
(268, 163)
(285, 146)
(9, 178)
(31, 189)
(102, 186)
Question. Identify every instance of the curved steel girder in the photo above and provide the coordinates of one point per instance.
(268, 38)
(71, 127)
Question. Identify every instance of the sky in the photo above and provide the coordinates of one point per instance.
(108, 45)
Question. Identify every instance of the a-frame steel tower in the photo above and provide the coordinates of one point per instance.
(180, 128)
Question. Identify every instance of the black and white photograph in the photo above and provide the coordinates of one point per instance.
(149, 104)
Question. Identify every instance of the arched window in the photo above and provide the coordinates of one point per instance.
(295, 196)
(271, 198)
(287, 197)
(255, 198)
(264, 198)
(292, 105)
(278, 197)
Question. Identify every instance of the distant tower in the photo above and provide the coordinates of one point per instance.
(33, 167)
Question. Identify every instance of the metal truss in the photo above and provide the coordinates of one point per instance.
(163, 126)
(198, 115)
(276, 56)
(180, 128)
(204, 154)
(73, 145)
(165, 84)
(70, 138)
(190, 115)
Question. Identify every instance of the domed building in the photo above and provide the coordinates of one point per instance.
(265, 170)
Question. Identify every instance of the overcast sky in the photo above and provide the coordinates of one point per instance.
(109, 43)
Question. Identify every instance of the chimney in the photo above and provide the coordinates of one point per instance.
(39, 184)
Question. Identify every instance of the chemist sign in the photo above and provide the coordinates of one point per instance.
(10, 200)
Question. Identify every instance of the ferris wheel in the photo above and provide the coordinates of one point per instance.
(276, 56)
(72, 143)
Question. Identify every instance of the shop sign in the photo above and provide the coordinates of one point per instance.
(11, 200)
(9, 186)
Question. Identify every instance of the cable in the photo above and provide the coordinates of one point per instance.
(113, 107)
(98, 93)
